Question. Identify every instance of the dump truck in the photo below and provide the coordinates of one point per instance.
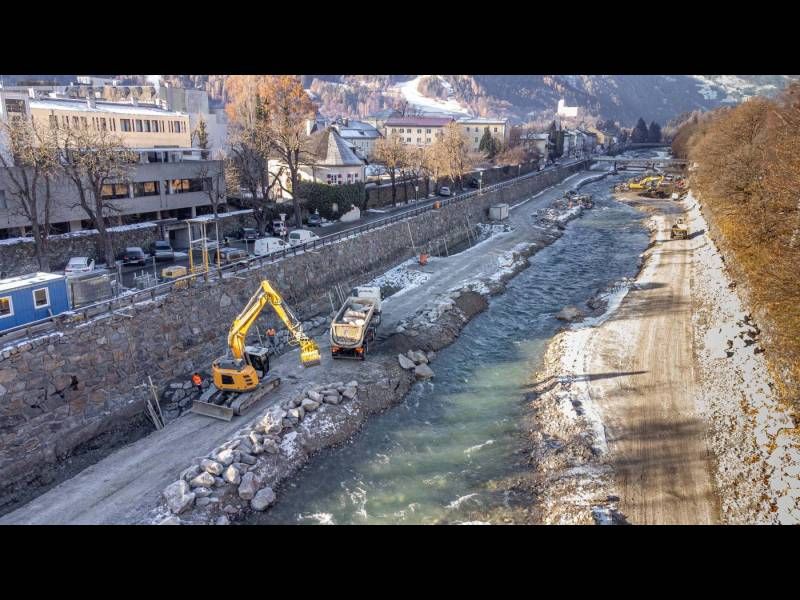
(355, 326)
(680, 230)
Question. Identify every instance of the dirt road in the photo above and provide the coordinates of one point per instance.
(641, 361)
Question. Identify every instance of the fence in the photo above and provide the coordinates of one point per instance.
(112, 305)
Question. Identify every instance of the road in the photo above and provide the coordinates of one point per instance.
(122, 487)
(655, 434)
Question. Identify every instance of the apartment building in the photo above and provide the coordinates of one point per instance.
(475, 127)
(417, 131)
(360, 135)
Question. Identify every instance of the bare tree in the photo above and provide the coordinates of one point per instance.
(392, 153)
(93, 161)
(213, 183)
(31, 166)
(452, 148)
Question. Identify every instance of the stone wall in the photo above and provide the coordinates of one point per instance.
(63, 389)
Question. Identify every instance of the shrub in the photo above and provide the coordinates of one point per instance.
(322, 197)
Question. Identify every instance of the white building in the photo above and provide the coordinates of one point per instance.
(566, 111)
(360, 135)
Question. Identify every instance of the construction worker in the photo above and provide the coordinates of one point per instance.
(271, 335)
(198, 382)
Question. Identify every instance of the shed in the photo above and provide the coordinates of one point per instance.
(28, 298)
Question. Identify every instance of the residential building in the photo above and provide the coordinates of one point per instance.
(196, 105)
(538, 142)
(566, 111)
(359, 134)
(417, 131)
(474, 128)
(333, 162)
(168, 181)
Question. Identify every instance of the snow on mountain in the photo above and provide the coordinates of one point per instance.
(433, 106)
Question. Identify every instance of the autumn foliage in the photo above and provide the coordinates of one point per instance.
(747, 176)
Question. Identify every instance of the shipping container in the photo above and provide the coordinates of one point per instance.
(28, 298)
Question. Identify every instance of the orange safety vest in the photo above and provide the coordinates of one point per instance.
(197, 380)
(270, 332)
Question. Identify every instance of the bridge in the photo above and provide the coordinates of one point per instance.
(642, 163)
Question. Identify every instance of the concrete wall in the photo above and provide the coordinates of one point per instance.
(64, 389)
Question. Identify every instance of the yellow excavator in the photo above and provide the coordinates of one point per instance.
(239, 375)
(646, 182)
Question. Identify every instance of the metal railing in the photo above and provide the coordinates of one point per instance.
(109, 306)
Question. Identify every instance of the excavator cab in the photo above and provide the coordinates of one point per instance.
(244, 375)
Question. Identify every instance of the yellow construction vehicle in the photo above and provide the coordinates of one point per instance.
(238, 375)
(646, 182)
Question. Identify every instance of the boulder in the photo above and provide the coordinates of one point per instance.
(352, 383)
(263, 499)
(191, 472)
(248, 487)
(201, 502)
(570, 313)
(309, 405)
(315, 396)
(271, 447)
(218, 482)
(405, 362)
(296, 402)
(349, 393)
(172, 520)
(247, 459)
(296, 413)
(226, 457)
(431, 355)
(205, 480)
(331, 399)
(178, 496)
(417, 356)
(223, 520)
(211, 466)
(423, 371)
(202, 492)
(232, 476)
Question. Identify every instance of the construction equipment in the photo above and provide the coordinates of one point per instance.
(646, 182)
(680, 230)
(239, 375)
(175, 272)
(356, 323)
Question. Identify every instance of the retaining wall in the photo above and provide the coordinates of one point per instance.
(65, 388)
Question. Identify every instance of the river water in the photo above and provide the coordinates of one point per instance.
(440, 455)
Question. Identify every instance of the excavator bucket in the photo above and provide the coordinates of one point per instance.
(310, 357)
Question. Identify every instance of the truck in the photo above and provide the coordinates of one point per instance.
(355, 326)
(680, 230)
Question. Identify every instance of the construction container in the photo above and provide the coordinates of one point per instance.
(498, 212)
(88, 288)
(28, 298)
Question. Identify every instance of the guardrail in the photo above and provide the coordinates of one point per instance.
(111, 305)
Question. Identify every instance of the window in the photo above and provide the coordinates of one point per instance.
(154, 126)
(146, 188)
(427, 140)
(476, 140)
(495, 129)
(102, 123)
(84, 123)
(170, 126)
(65, 121)
(113, 123)
(41, 298)
(408, 140)
(138, 125)
(402, 131)
(419, 140)
(146, 127)
(112, 191)
(467, 129)
(75, 122)
(125, 125)
(180, 186)
(6, 307)
(419, 130)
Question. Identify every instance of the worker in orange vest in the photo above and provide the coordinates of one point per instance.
(198, 382)
(271, 335)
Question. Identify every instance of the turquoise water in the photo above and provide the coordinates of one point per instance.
(438, 456)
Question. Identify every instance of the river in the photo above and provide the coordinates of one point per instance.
(439, 457)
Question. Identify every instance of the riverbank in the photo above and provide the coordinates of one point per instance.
(660, 410)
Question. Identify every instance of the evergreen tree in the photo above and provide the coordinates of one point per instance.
(201, 135)
(654, 133)
(488, 144)
(640, 133)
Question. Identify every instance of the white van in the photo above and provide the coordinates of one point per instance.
(301, 236)
(268, 245)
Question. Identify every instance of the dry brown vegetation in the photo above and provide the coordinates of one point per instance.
(748, 178)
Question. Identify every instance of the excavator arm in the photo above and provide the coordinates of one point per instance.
(266, 294)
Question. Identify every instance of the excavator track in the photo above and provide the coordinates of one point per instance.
(223, 405)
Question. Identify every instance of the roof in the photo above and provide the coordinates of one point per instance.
(330, 149)
(481, 120)
(102, 107)
(23, 281)
(353, 133)
(419, 121)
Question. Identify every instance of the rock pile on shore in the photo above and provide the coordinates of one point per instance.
(231, 480)
(417, 361)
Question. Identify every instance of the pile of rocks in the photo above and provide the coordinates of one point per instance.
(178, 396)
(229, 481)
(428, 315)
(418, 361)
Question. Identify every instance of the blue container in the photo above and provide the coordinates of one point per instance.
(32, 297)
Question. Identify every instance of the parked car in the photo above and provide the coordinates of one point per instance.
(134, 256)
(268, 245)
(314, 220)
(247, 233)
(301, 236)
(162, 250)
(473, 183)
(444, 191)
(78, 265)
(232, 255)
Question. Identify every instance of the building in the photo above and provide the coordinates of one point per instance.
(378, 119)
(474, 128)
(333, 161)
(195, 104)
(28, 298)
(417, 131)
(566, 111)
(359, 134)
(538, 142)
(169, 180)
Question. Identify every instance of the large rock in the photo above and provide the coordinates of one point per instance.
(173, 520)
(405, 362)
(231, 475)
(248, 487)
(211, 466)
(331, 399)
(570, 313)
(315, 396)
(417, 356)
(226, 457)
(423, 371)
(247, 459)
(191, 473)
(297, 413)
(178, 496)
(349, 393)
(223, 520)
(263, 499)
(309, 405)
(271, 447)
(205, 480)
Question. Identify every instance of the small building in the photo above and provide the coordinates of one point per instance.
(359, 134)
(28, 298)
(538, 142)
(417, 131)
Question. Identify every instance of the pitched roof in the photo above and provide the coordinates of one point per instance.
(330, 149)
(419, 121)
